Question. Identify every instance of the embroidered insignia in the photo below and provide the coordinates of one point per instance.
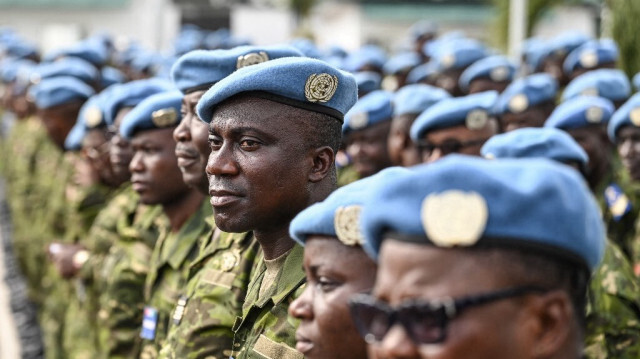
(588, 59)
(454, 218)
(320, 87)
(518, 103)
(634, 116)
(165, 117)
(447, 60)
(346, 221)
(594, 114)
(229, 260)
(93, 117)
(178, 313)
(591, 91)
(359, 120)
(617, 201)
(499, 74)
(477, 119)
(252, 58)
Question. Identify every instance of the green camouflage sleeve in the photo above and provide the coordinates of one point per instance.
(124, 272)
(167, 279)
(265, 330)
(218, 281)
(613, 327)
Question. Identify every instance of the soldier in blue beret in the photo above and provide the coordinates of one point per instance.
(456, 125)
(527, 102)
(156, 177)
(366, 131)
(366, 58)
(196, 334)
(611, 84)
(472, 254)
(58, 101)
(397, 69)
(73, 67)
(592, 55)
(119, 102)
(554, 53)
(409, 102)
(425, 73)
(330, 230)
(274, 129)
(452, 58)
(585, 118)
(491, 73)
(624, 132)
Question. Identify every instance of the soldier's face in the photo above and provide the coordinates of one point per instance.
(334, 273)
(457, 139)
(594, 141)
(531, 117)
(120, 152)
(192, 148)
(485, 84)
(95, 148)
(59, 120)
(154, 170)
(368, 149)
(409, 272)
(629, 150)
(259, 165)
(402, 151)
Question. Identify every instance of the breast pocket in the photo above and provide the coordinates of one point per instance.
(266, 348)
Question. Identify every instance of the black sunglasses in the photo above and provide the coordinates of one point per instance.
(424, 321)
(449, 146)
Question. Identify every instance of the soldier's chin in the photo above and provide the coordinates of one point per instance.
(230, 223)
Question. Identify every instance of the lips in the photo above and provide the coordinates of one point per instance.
(186, 156)
(303, 345)
(221, 197)
(139, 185)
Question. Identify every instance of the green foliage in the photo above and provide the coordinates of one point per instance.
(536, 9)
(625, 27)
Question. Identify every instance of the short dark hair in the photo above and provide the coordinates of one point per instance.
(524, 267)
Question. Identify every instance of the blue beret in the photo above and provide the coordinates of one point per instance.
(161, 110)
(132, 93)
(627, 115)
(366, 55)
(565, 43)
(528, 91)
(612, 84)
(91, 50)
(462, 201)
(424, 71)
(590, 55)
(10, 67)
(497, 68)
(200, 69)
(472, 110)
(550, 143)
(19, 49)
(306, 47)
(74, 139)
(110, 75)
(71, 66)
(580, 112)
(457, 54)
(535, 53)
(370, 109)
(335, 216)
(414, 99)
(401, 62)
(23, 73)
(59, 91)
(368, 81)
(423, 28)
(296, 81)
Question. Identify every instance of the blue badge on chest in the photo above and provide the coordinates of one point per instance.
(149, 323)
(617, 201)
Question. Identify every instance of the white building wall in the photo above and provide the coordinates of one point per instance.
(154, 23)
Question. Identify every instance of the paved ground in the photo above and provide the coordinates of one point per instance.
(9, 347)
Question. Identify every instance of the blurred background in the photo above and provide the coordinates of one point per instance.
(155, 24)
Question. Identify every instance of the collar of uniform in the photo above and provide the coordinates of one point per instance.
(189, 234)
(290, 277)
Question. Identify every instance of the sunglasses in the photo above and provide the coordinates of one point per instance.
(449, 146)
(424, 321)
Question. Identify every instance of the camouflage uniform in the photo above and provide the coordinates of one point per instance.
(218, 282)
(122, 278)
(347, 175)
(167, 277)
(613, 311)
(265, 329)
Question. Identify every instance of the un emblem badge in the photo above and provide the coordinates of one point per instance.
(320, 87)
(347, 223)
(253, 58)
(165, 117)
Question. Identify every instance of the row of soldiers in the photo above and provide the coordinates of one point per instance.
(192, 214)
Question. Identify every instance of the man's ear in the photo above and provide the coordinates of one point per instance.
(323, 159)
(550, 324)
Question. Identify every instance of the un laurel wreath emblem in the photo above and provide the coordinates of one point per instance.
(320, 87)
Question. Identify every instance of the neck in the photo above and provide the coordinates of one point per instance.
(275, 241)
(183, 207)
